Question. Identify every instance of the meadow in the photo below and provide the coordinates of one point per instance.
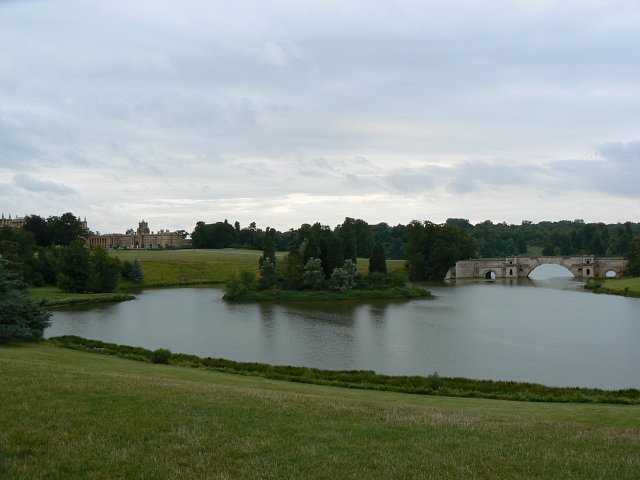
(71, 414)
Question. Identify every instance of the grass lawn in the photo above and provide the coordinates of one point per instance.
(70, 414)
(184, 267)
(621, 285)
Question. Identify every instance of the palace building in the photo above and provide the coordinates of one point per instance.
(142, 238)
(16, 222)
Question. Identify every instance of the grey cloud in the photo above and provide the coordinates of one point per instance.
(467, 177)
(27, 182)
(616, 173)
(620, 152)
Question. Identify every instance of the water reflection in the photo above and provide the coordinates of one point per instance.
(511, 330)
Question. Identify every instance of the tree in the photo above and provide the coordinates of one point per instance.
(633, 259)
(433, 249)
(364, 238)
(39, 227)
(269, 248)
(334, 256)
(377, 261)
(268, 277)
(104, 271)
(239, 283)
(20, 317)
(132, 271)
(313, 276)
(66, 229)
(293, 270)
(73, 268)
(18, 248)
(348, 238)
(212, 235)
(343, 278)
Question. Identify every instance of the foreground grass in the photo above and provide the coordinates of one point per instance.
(202, 267)
(69, 414)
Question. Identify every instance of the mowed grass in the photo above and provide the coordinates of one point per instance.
(191, 267)
(70, 414)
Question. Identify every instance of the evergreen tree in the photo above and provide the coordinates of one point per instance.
(137, 275)
(334, 257)
(20, 316)
(377, 261)
(269, 250)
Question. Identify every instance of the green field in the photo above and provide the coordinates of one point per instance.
(192, 267)
(70, 414)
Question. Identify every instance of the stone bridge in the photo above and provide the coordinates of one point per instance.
(583, 267)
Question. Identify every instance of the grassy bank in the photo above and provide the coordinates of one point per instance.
(396, 293)
(55, 297)
(368, 380)
(628, 287)
(70, 414)
(197, 267)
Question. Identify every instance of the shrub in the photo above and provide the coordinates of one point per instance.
(161, 355)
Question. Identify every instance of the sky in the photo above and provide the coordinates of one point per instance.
(289, 112)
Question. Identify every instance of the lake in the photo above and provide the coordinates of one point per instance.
(545, 331)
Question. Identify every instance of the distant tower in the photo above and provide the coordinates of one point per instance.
(143, 228)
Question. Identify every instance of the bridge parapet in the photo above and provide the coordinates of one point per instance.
(582, 266)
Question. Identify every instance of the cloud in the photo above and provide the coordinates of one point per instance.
(27, 182)
(273, 54)
(141, 104)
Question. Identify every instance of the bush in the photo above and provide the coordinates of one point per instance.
(161, 355)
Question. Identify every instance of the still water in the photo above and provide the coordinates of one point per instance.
(544, 331)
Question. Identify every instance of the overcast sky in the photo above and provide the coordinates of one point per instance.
(302, 111)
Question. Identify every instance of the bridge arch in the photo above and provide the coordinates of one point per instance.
(552, 270)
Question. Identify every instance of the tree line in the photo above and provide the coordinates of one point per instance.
(491, 239)
(429, 249)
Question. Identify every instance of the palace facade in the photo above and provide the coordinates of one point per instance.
(16, 222)
(142, 238)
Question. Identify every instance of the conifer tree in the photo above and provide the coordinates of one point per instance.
(377, 261)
